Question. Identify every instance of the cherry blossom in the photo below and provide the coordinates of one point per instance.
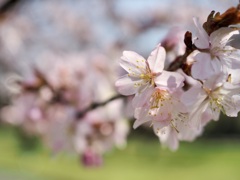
(168, 116)
(100, 130)
(48, 104)
(174, 44)
(207, 100)
(215, 52)
(64, 86)
(141, 72)
(144, 75)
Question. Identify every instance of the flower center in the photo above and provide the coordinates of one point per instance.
(215, 104)
(148, 77)
(159, 99)
(215, 51)
(216, 101)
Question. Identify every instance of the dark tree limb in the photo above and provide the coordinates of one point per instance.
(93, 106)
(8, 5)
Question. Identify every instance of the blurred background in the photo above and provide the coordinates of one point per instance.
(92, 34)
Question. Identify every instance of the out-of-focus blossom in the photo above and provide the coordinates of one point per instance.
(89, 158)
(54, 104)
(67, 61)
(101, 129)
(174, 45)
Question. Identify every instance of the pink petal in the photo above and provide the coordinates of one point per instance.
(181, 107)
(141, 98)
(235, 77)
(215, 81)
(162, 115)
(202, 40)
(139, 122)
(194, 96)
(230, 58)
(206, 117)
(156, 59)
(169, 80)
(125, 85)
(196, 115)
(169, 138)
(132, 62)
(141, 114)
(187, 133)
(231, 103)
(236, 102)
(159, 125)
(220, 37)
(215, 115)
(205, 67)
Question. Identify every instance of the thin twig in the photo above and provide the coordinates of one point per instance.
(81, 114)
(180, 61)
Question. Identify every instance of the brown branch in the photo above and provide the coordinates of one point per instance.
(180, 61)
(93, 106)
(8, 5)
(216, 20)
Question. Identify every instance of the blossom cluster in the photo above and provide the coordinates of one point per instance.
(178, 100)
(54, 105)
(66, 93)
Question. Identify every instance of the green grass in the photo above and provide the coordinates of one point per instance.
(142, 159)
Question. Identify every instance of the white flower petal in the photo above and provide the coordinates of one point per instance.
(141, 117)
(215, 111)
(195, 100)
(236, 100)
(195, 118)
(141, 98)
(235, 77)
(220, 37)
(230, 57)
(159, 125)
(194, 95)
(215, 81)
(169, 80)
(204, 67)
(207, 116)
(127, 86)
(156, 59)
(169, 138)
(231, 105)
(202, 40)
(187, 133)
(133, 62)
